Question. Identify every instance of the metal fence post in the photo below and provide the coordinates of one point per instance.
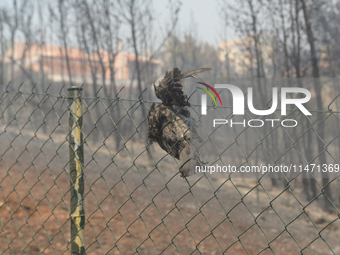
(76, 147)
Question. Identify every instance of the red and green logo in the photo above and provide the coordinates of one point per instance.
(209, 93)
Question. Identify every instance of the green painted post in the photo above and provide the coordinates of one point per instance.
(76, 148)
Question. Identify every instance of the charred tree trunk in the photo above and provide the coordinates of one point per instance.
(317, 87)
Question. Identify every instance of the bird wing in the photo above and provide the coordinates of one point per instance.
(167, 129)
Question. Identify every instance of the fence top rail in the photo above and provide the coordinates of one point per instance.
(63, 96)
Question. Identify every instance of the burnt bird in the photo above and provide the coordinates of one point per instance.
(170, 123)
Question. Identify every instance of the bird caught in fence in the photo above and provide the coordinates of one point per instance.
(170, 123)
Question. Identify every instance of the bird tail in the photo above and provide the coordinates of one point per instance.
(184, 161)
(188, 161)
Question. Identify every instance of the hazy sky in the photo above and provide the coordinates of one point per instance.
(205, 14)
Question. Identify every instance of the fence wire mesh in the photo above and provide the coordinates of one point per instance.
(135, 200)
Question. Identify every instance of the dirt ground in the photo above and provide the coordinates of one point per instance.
(134, 208)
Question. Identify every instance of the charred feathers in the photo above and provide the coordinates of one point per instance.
(170, 123)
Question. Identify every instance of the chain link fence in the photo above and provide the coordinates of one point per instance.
(135, 201)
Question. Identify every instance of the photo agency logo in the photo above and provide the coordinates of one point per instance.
(239, 105)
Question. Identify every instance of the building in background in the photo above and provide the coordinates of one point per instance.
(233, 54)
(239, 57)
(55, 64)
